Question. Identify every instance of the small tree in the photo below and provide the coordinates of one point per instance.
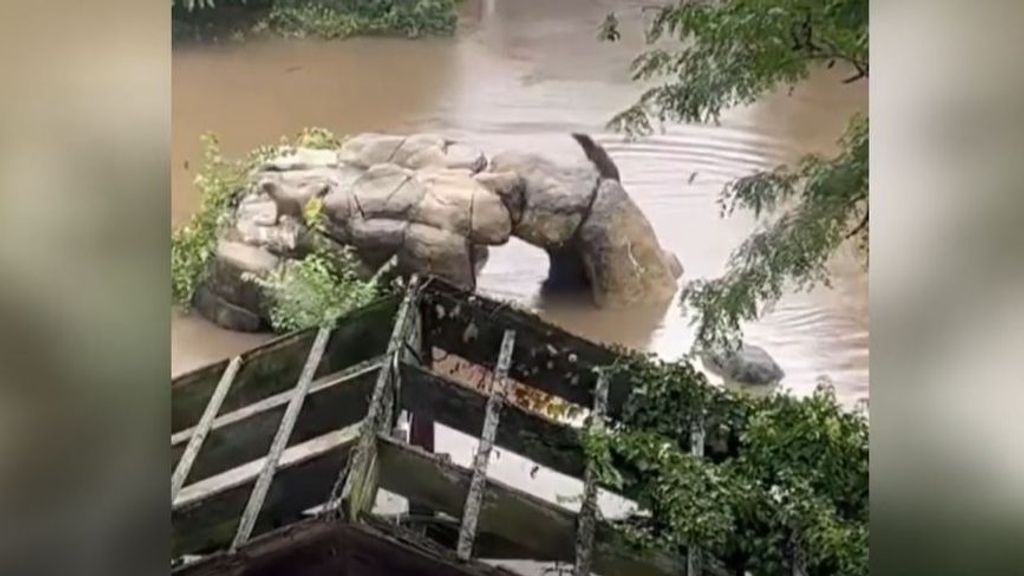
(732, 52)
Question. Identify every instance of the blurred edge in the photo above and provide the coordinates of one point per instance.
(84, 215)
(947, 335)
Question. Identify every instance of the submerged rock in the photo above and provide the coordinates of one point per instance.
(621, 254)
(749, 365)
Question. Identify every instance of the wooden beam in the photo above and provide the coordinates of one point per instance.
(527, 433)
(205, 515)
(333, 402)
(199, 433)
(472, 327)
(547, 357)
(319, 547)
(284, 431)
(275, 366)
(356, 486)
(546, 529)
(589, 510)
(444, 530)
(499, 389)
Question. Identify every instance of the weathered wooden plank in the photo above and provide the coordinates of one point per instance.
(545, 529)
(547, 357)
(206, 514)
(358, 480)
(546, 442)
(284, 432)
(200, 432)
(333, 402)
(444, 530)
(589, 510)
(275, 366)
(492, 414)
(319, 547)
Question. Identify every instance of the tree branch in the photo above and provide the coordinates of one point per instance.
(863, 224)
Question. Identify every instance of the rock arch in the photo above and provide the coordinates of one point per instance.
(437, 206)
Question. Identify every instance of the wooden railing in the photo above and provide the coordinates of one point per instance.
(251, 464)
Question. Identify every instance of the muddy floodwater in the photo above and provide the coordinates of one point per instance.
(524, 74)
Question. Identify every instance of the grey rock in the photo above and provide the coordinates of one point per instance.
(229, 267)
(387, 191)
(377, 234)
(749, 365)
(286, 238)
(458, 203)
(225, 314)
(258, 210)
(509, 187)
(434, 251)
(621, 254)
(302, 159)
(461, 156)
(416, 151)
(555, 197)
(435, 206)
(294, 189)
(675, 267)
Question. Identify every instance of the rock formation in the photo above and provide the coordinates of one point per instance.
(749, 366)
(436, 206)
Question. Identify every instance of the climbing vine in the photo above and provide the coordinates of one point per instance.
(781, 476)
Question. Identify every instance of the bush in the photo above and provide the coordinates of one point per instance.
(794, 475)
(324, 19)
(316, 290)
(219, 182)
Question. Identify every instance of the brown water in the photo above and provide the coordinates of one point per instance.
(523, 74)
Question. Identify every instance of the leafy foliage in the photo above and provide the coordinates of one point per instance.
(326, 283)
(220, 182)
(783, 473)
(340, 18)
(316, 290)
(708, 56)
(192, 246)
(323, 19)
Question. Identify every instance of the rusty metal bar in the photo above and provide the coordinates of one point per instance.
(195, 441)
(587, 520)
(284, 431)
(471, 511)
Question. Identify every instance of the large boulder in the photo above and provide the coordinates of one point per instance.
(229, 297)
(416, 152)
(748, 365)
(553, 199)
(620, 253)
(435, 206)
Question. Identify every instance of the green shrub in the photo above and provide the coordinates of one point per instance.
(316, 290)
(329, 19)
(795, 474)
(220, 181)
(323, 19)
